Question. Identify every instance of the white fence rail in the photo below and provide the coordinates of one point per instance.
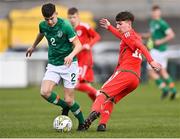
(18, 71)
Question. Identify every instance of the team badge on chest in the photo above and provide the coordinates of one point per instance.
(79, 32)
(59, 33)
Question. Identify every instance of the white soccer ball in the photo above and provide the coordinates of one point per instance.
(62, 123)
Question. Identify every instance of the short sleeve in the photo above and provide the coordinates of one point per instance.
(40, 28)
(164, 25)
(70, 31)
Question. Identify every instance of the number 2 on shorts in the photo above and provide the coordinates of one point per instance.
(73, 75)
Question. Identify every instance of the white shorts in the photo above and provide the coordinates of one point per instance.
(67, 74)
(160, 57)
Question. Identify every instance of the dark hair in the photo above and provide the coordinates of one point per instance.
(48, 9)
(155, 7)
(124, 16)
(72, 11)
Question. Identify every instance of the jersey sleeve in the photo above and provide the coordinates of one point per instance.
(70, 31)
(132, 42)
(114, 31)
(40, 28)
(164, 26)
(140, 45)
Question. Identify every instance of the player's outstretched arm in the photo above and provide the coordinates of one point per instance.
(131, 42)
(77, 48)
(155, 65)
(36, 42)
(128, 39)
(104, 23)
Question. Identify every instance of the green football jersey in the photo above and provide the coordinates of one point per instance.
(158, 30)
(59, 40)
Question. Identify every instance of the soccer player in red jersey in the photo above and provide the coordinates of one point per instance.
(88, 37)
(126, 76)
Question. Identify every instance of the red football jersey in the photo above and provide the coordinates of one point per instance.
(89, 36)
(131, 48)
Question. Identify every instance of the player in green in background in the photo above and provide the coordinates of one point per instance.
(62, 63)
(160, 34)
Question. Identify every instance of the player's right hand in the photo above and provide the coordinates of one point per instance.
(29, 51)
(104, 23)
(155, 65)
(68, 60)
(86, 46)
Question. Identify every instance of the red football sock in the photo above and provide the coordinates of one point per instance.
(100, 99)
(84, 87)
(106, 112)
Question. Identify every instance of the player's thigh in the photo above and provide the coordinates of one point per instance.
(119, 82)
(70, 76)
(86, 73)
(46, 87)
(51, 78)
(126, 91)
(52, 74)
(82, 70)
(89, 75)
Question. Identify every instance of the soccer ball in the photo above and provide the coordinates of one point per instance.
(62, 123)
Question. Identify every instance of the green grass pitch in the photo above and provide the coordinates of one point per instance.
(23, 113)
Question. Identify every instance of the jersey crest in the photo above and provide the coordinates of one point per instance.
(127, 34)
(79, 32)
(59, 33)
(152, 29)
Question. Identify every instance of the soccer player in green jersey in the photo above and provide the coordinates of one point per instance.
(62, 63)
(161, 33)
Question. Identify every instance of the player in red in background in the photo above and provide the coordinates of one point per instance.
(88, 37)
(126, 76)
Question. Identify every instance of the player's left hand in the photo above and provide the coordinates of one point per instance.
(155, 65)
(68, 60)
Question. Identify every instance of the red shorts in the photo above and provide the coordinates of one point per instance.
(86, 73)
(120, 84)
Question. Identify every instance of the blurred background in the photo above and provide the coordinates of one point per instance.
(19, 20)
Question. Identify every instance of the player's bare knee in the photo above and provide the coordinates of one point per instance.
(45, 92)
